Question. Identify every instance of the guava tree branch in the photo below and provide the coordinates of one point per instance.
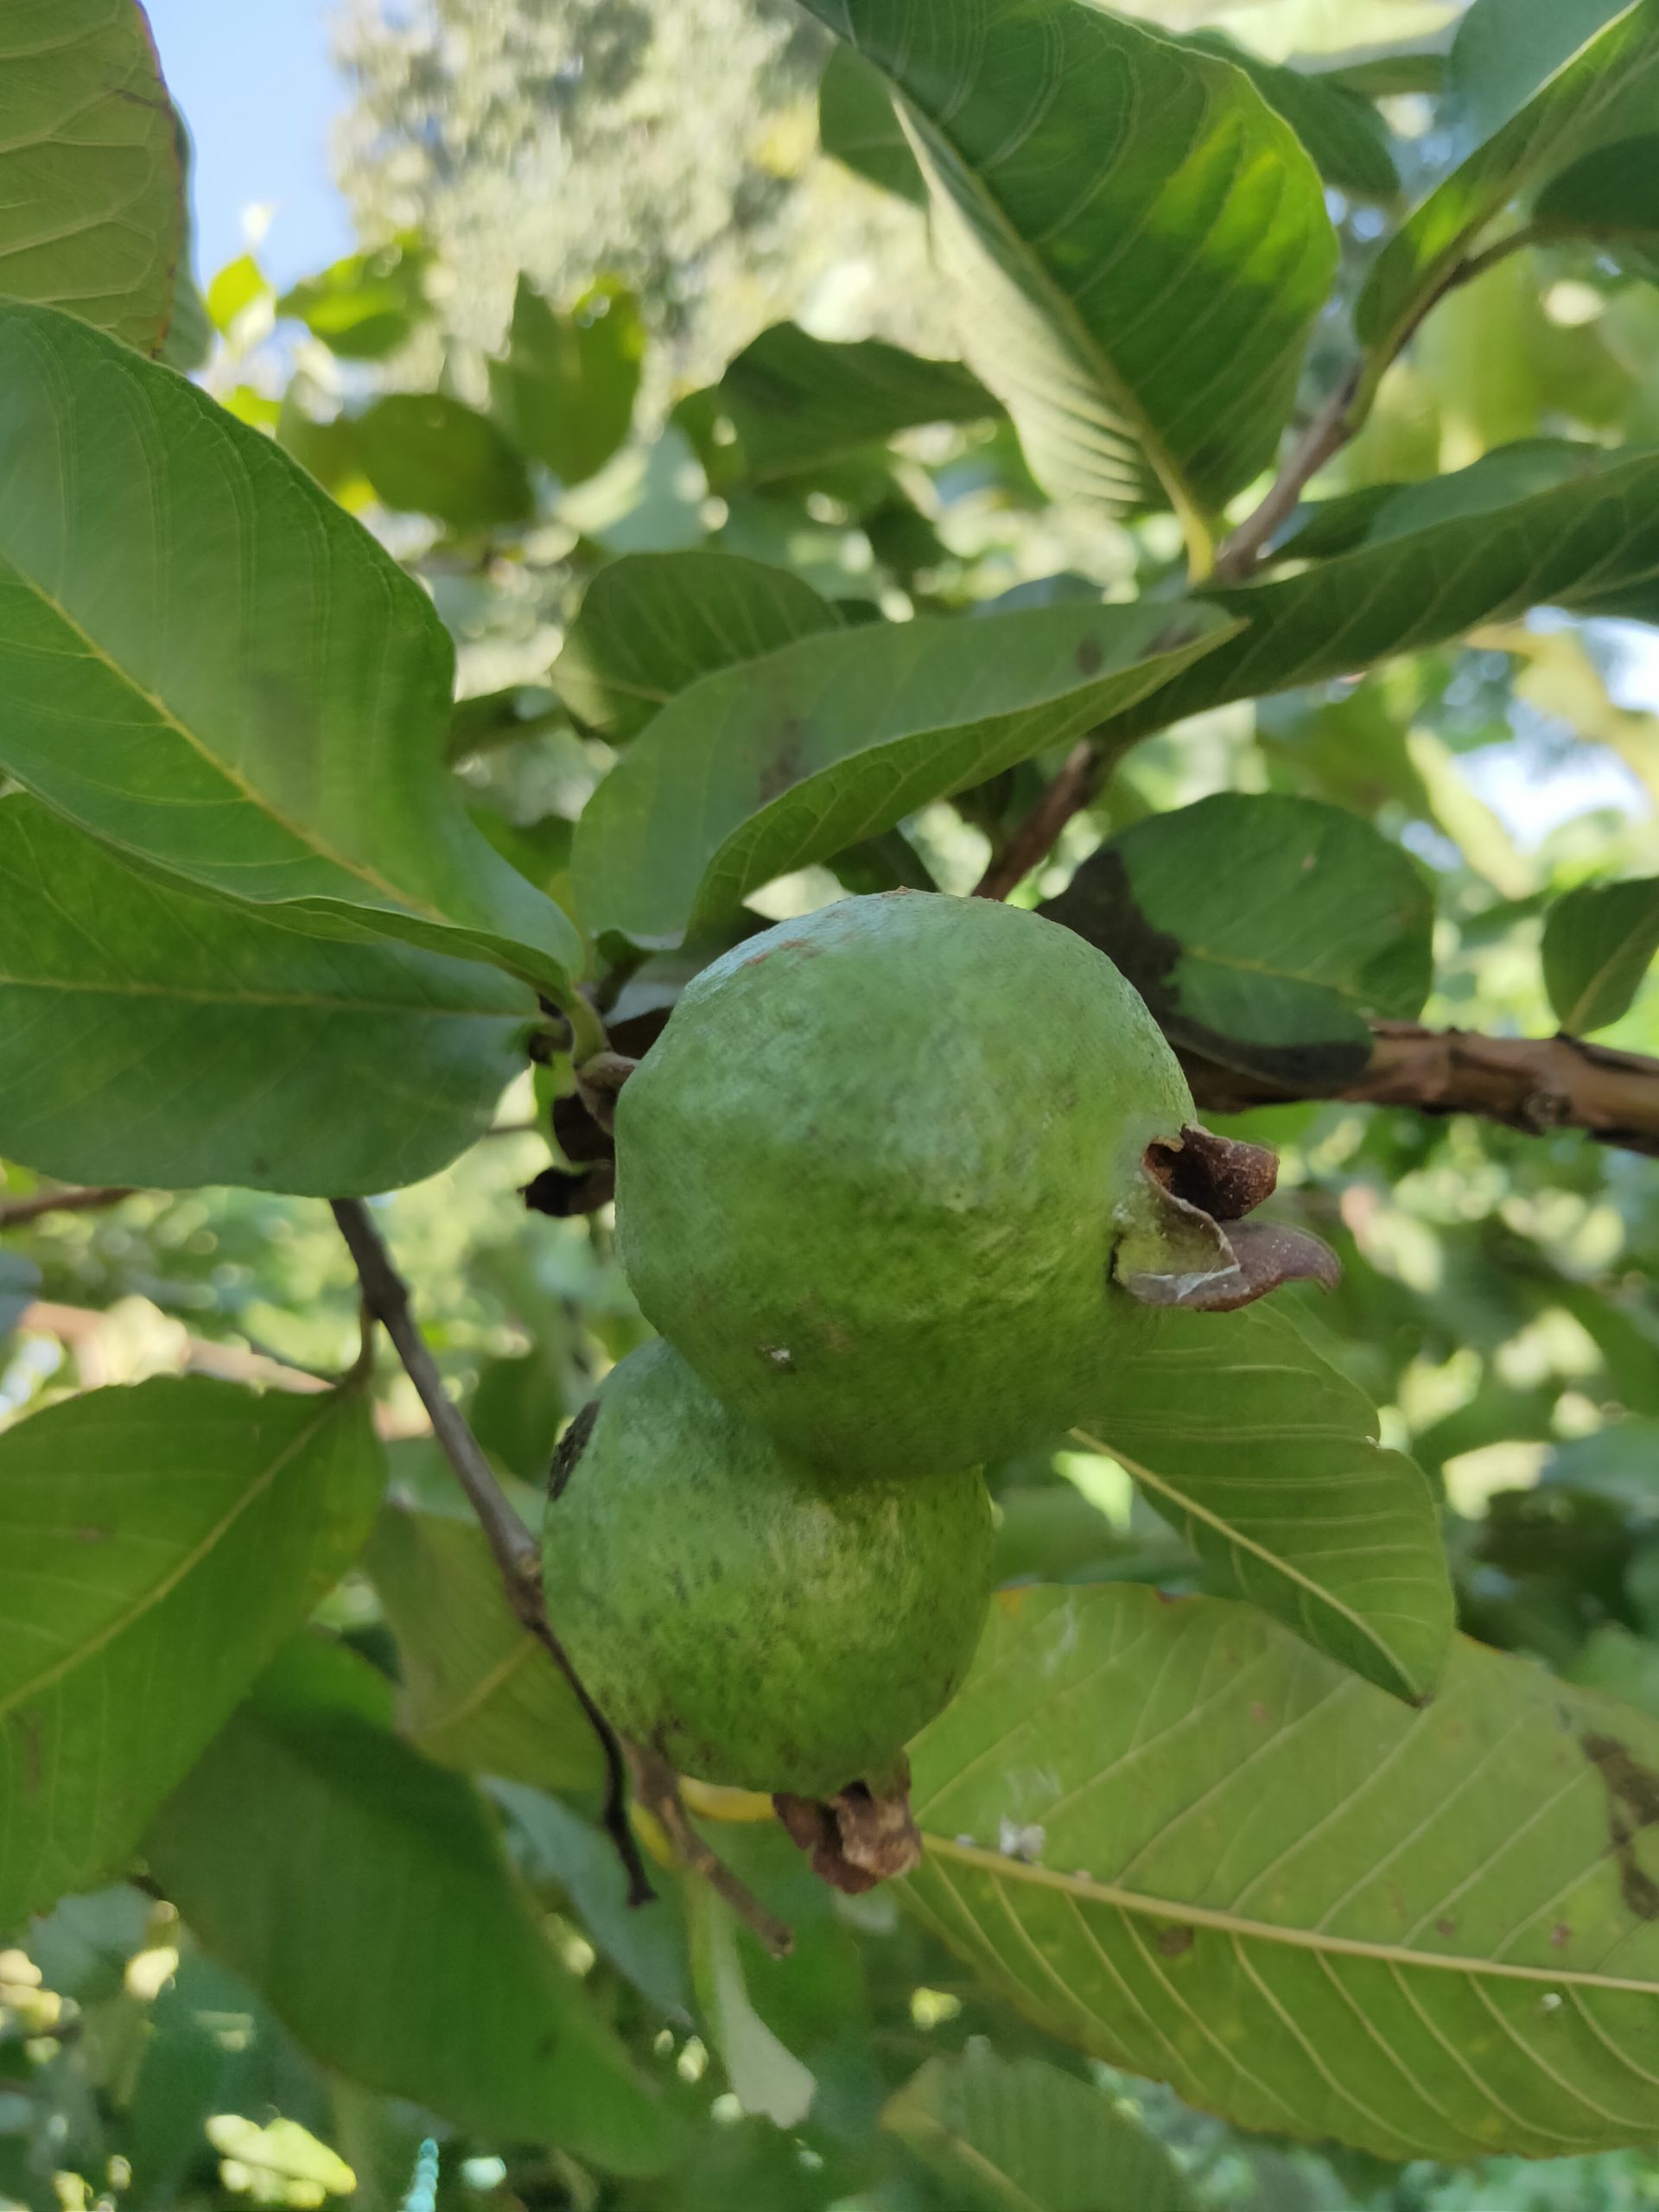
(1325, 435)
(14, 1212)
(385, 1296)
(1536, 1085)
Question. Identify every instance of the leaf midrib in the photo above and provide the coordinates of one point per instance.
(300, 1000)
(1585, 1002)
(1060, 305)
(1232, 1534)
(308, 841)
(155, 1593)
(1261, 1931)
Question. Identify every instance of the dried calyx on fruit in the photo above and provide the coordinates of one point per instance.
(755, 1621)
(901, 1179)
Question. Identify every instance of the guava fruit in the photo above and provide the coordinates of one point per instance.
(872, 1178)
(755, 1621)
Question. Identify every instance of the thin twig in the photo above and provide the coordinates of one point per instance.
(15, 1211)
(1325, 435)
(1031, 841)
(386, 1296)
(658, 1787)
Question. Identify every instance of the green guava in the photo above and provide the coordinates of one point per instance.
(873, 1177)
(757, 1622)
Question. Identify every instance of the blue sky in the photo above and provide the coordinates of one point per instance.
(259, 92)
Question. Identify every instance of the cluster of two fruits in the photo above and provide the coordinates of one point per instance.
(881, 1186)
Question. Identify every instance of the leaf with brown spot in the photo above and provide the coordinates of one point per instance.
(761, 768)
(1260, 930)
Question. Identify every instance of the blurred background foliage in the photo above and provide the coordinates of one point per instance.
(574, 213)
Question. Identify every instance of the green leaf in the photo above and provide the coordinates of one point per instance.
(1173, 1835)
(1613, 194)
(190, 342)
(1266, 1460)
(763, 767)
(367, 305)
(1504, 50)
(1602, 92)
(565, 393)
(1140, 245)
(425, 454)
(798, 402)
(1588, 545)
(157, 1545)
(518, 1407)
(766, 2076)
(149, 1035)
(1599, 942)
(92, 202)
(652, 623)
(1260, 930)
(479, 1693)
(362, 1890)
(258, 703)
(1017, 2135)
(857, 126)
(1346, 136)
(237, 286)
(554, 1845)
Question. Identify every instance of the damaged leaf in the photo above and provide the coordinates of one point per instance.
(1261, 931)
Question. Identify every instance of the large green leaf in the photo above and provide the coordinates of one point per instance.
(1017, 2135)
(1341, 129)
(362, 1890)
(209, 664)
(1599, 941)
(1266, 1460)
(1606, 91)
(479, 1693)
(92, 202)
(858, 126)
(652, 623)
(157, 1545)
(1260, 929)
(149, 1035)
(798, 402)
(426, 453)
(1504, 50)
(1174, 1834)
(1591, 543)
(1140, 245)
(760, 768)
(566, 391)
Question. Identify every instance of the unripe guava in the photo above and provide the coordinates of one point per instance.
(872, 1178)
(756, 1621)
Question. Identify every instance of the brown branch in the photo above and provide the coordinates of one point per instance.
(1030, 843)
(1533, 1083)
(1325, 435)
(658, 1787)
(15, 1211)
(517, 1556)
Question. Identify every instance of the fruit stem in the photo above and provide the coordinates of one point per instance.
(386, 1295)
(657, 1788)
